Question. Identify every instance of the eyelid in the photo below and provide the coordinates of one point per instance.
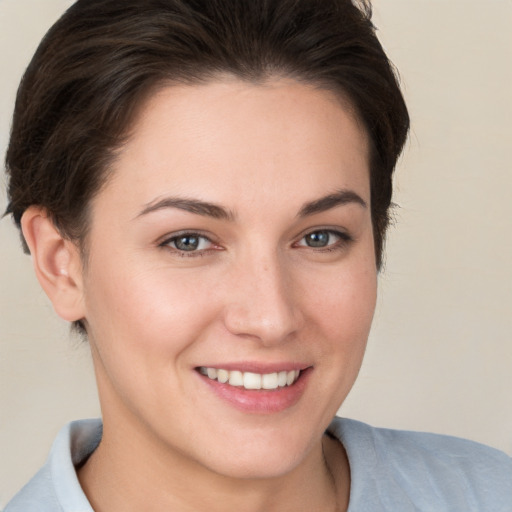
(336, 230)
(343, 238)
(166, 241)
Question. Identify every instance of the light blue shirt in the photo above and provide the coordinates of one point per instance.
(391, 471)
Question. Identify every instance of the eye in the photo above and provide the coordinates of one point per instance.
(188, 243)
(324, 239)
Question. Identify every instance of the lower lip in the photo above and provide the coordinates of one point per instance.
(260, 401)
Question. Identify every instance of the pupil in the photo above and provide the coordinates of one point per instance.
(317, 239)
(187, 243)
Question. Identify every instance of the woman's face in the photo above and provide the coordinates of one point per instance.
(233, 242)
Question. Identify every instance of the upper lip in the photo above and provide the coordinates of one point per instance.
(257, 367)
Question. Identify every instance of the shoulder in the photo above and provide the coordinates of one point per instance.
(55, 487)
(37, 495)
(424, 471)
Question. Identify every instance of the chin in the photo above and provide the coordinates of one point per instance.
(257, 468)
(258, 457)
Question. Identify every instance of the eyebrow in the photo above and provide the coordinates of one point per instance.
(189, 205)
(198, 207)
(339, 198)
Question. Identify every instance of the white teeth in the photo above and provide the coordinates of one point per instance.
(251, 380)
(222, 376)
(269, 381)
(236, 378)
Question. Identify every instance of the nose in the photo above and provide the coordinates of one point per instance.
(261, 303)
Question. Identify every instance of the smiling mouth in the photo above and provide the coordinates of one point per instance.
(250, 380)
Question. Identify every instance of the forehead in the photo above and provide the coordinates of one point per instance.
(230, 138)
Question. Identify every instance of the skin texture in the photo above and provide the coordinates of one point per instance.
(253, 293)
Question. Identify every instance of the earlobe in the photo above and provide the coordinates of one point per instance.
(57, 263)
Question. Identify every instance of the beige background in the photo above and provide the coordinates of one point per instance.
(440, 353)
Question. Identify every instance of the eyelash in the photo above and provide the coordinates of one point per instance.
(166, 244)
(343, 240)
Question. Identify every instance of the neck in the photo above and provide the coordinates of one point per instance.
(132, 471)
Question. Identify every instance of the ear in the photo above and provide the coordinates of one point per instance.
(57, 263)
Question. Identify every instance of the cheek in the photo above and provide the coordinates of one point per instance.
(341, 315)
(142, 326)
(150, 310)
(344, 299)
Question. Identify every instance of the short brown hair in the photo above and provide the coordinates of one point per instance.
(103, 57)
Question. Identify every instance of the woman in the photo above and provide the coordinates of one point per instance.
(204, 188)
